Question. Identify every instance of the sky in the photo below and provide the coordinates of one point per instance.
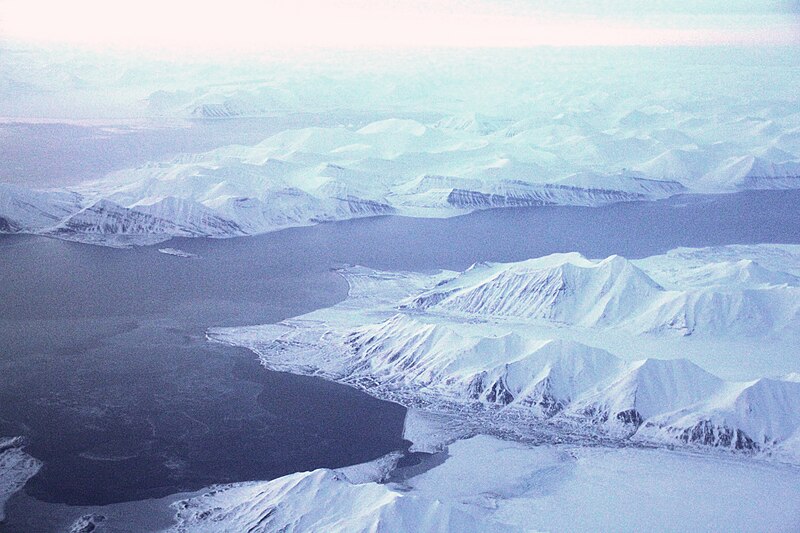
(245, 25)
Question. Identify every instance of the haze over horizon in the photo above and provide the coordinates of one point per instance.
(244, 26)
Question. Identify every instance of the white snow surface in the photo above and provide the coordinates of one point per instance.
(323, 501)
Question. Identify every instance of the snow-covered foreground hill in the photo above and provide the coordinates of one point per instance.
(486, 484)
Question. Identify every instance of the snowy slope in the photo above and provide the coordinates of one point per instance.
(24, 210)
(304, 176)
(645, 389)
(322, 501)
(505, 369)
(501, 485)
(222, 101)
(107, 218)
(677, 164)
(454, 164)
(751, 172)
(563, 288)
(735, 299)
(194, 216)
(469, 122)
(723, 311)
(763, 413)
(566, 379)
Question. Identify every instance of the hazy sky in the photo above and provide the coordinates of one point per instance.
(235, 25)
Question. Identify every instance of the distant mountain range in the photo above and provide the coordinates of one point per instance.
(304, 176)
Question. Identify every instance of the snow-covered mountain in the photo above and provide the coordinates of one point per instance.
(16, 467)
(561, 379)
(507, 369)
(751, 172)
(440, 167)
(304, 176)
(107, 218)
(677, 164)
(759, 414)
(24, 210)
(526, 338)
(223, 101)
(192, 215)
(737, 299)
(504, 485)
(470, 122)
(562, 288)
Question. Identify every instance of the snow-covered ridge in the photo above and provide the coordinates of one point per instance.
(565, 288)
(542, 374)
(303, 176)
(526, 338)
(391, 137)
(650, 399)
(323, 500)
(300, 177)
(741, 298)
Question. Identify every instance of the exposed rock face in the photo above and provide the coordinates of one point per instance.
(6, 226)
(709, 434)
(108, 218)
(546, 195)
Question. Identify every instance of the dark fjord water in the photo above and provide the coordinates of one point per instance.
(105, 369)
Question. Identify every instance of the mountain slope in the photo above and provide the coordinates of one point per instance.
(563, 288)
(751, 172)
(27, 210)
(723, 299)
(321, 501)
(569, 382)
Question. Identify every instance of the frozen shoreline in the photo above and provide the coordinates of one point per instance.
(16, 468)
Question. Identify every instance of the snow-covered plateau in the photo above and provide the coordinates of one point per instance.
(531, 421)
